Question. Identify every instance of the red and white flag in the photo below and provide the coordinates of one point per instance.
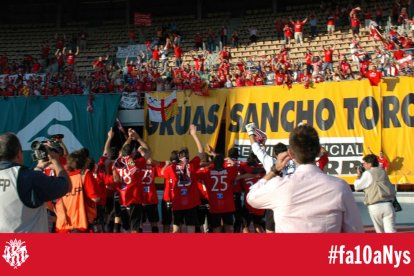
(408, 60)
(161, 110)
(142, 19)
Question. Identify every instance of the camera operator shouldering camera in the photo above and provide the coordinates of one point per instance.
(55, 143)
(23, 192)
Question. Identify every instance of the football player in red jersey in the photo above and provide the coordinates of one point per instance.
(233, 161)
(218, 182)
(103, 172)
(166, 205)
(181, 187)
(151, 170)
(251, 214)
(127, 174)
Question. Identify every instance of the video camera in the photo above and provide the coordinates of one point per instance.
(40, 148)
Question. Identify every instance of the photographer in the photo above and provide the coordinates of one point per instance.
(379, 194)
(55, 142)
(23, 192)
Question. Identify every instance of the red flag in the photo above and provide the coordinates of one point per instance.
(142, 19)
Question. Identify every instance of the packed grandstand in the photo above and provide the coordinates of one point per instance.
(304, 43)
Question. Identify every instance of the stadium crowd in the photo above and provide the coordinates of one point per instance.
(212, 66)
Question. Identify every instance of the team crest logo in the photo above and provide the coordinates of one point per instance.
(15, 253)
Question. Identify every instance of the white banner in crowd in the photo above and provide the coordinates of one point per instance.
(131, 51)
(129, 100)
(26, 77)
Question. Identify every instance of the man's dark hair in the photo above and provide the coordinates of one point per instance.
(183, 152)
(91, 164)
(76, 160)
(252, 159)
(204, 157)
(174, 156)
(234, 153)
(113, 153)
(279, 148)
(9, 146)
(84, 152)
(371, 159)
(127, 150)
(304, 143)
(218, 162)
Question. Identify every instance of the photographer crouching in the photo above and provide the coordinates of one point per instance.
(23, 192)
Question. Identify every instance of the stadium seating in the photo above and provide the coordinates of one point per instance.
(18, 40)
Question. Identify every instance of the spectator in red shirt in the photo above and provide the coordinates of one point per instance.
(330, 24)
(374, 76)
(199, 61)
(364, 65)
(308, 60)
(225, 54)
(98, 64)
(298, 26)
(306, 78)
(328, 57)
(178, 52)
(70, 57)
(288, 33)
(36, 67)
(382, 160)
(355, 22)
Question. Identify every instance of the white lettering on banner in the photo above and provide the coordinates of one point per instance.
(129, 100)
(345, 153)
(131, 51)
(56, 111)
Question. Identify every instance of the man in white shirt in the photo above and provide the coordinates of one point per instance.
(307, 201)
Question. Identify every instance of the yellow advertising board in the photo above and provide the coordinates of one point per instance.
(350, 116)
